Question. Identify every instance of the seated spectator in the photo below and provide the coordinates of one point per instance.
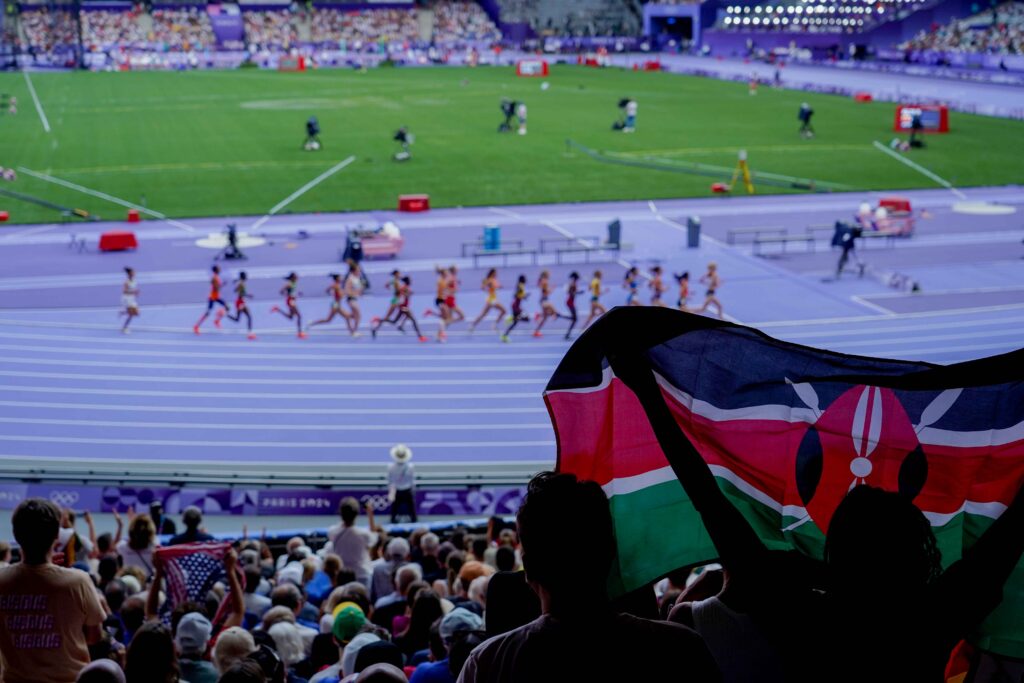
(255, 604)
(101, 671)
(289, 643)
(449, 626)
(382, 673)
(323, 654)
(511, 603)
(577, 620)
(137, 549)
(50, 614)
(191, 518)
(243, 671)
(151, 656)
(233, 645)
(425, 611)
(382, 580)
(192, 637)
(348, 638)
(379, 652)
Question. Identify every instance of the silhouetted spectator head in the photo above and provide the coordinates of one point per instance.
(233, 645)
(243, 671)
(107, 569)
(459, 620)
(151, 656)
(382, 673)
(141, 532)
(380, 652)
(348, 509)
(405, 576)
(133, 613)
(462, 645)
(505, 559)
(324, 652)
(430, 544)
(36, 524)
(479, 547)
(104, 543)
(414, 589)
(332, 565)
(510, 603)
(425, 611)
(192, 517)
(879, 544)
(253, 575)
(115, 594)
(101, 671)
(571, 574)
(344, 576)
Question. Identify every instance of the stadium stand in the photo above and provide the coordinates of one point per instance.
(271, 29)
(354, 28)
(456, 20)
(825, 16)
(576, 18)
(106, 30)
(182, 29)
(999, 30)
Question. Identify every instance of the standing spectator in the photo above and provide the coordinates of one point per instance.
(191, 518)
(137, 549)
(577, 619)
(351, 543)
(164, 525)
(401, 484)
(396, 554)
(75, 547)
(151, 656)
(192, 637)
(50, 614)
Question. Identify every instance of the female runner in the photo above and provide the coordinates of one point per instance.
(404, 312)
(596, 307)
(547, 309)
(632, 284)
(572, 290)
(492, 286)
(241, 307)
(713, 282)
(684, 290)
(517, 307)
(335, 290)
(290, 292)
(214, 299)
(354, 285)
(657, 286)
(453, 288)
(129, 299)
(443, 313)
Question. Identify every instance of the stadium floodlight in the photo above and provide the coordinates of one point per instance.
(757, 9)
(756, 21)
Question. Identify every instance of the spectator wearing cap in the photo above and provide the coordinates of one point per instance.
(378, 652)
(163, 524)
(102, 671)
(381, 673)
(60, 603)
(192, 637)
(382, 582)
(402, 485)
(191, 518)
(578, 620)
(459, 620)
(349, 621)
(351, 543)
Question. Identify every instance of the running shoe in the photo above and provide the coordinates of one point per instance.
(126, 331)
(357, 335)
(275, 309)
(505, 338)
(373, 332)
(424, 339)
(251, 337)
(217, 318)
(538, 334)
(429, 312)
(195, 328)
(442, 337)
(303, 335)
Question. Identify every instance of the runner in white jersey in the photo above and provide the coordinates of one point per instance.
(129, 299)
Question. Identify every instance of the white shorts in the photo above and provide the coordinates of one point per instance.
(129, 301)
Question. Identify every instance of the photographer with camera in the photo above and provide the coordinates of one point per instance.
(312, 135)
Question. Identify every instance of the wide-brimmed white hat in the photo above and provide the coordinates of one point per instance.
(401, 453)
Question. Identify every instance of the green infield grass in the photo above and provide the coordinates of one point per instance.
(211, 143)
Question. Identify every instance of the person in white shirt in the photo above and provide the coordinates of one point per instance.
(521, 114)
(137, 550)
(402, 484)
(351, 543)
(630, 117)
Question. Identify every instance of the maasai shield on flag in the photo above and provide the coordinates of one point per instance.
(787, 430)
(191, 571)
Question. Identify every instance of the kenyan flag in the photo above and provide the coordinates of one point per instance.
(787, 430)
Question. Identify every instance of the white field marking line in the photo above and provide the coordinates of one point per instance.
(157, 379)
(233, 356)
(991, 334)
(829, 334)
(276, 332)
(290, 427)
(107, 197)
(303, 190)
(273, 444)
(406, 369)
(565, 233)
(305, 396)
(867, 304)
(920, 169)
(651, 206)
(506, 212)
(30, 231)
(1007, 346)
(125, 407)
(893, 316)
(944, 292)
(35, 99)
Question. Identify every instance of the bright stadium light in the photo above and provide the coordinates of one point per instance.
(758, 9)
(756, 21)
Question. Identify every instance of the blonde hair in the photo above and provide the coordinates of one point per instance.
(233, 645)
(141, 532)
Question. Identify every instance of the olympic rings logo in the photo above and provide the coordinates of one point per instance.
(379, 502)
(64, 499)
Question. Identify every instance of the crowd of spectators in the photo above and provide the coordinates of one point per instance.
(457, 20)
(46, 30)
(358, 27)
(576, 18)
(270, 29)
(105, 30)
(998, 31)
(182, 29)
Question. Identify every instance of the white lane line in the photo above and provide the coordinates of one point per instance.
(506, 212)
(273, 444)
(206, 410)
(233, 356)
(289, 427)
(874, 307)
(35, 99)
(406, 369)
(982, 334)
(31, 231)
(925, 352)
(108, 197)
(895, 316)
(892, 329)
(377, 382)
(565, 233)
(496, 396)
(651, 206)
(945, 292)
(303, 190)
(920, 169)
